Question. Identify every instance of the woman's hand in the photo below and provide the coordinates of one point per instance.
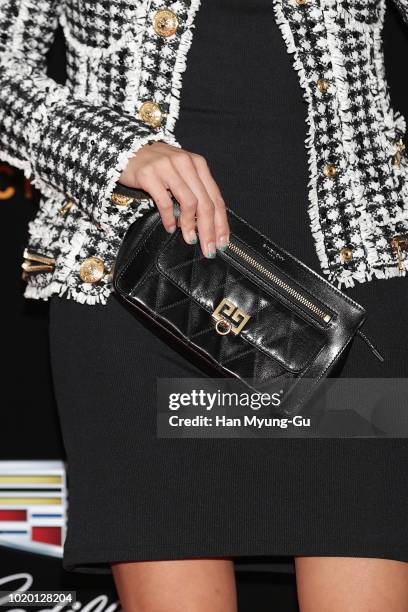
(160, 168)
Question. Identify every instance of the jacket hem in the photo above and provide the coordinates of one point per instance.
(367, 275)
(60, 289)
(63, 289)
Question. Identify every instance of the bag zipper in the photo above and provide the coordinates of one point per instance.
(276, 280)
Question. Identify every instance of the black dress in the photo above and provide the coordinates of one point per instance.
(134, 496)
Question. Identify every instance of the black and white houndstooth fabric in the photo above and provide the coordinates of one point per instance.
(74, 140)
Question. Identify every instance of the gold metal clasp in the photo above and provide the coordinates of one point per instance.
(399, 244)
(36, 263)
(226, 314)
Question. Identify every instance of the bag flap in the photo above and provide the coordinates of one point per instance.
(224, 291)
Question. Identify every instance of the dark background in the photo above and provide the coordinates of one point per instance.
(29, 425)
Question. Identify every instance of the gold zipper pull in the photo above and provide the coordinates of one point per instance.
(399, 244)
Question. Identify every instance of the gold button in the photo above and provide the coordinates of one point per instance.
(346, 254)
(301, 2)
(150, 112)
(92, 270)
(330, 170)
(322, 85)
(165, 22)
(121, 200)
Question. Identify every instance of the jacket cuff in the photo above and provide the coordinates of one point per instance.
(107, 213)
(84, 150)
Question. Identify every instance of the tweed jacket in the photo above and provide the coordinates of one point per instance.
(125, 60)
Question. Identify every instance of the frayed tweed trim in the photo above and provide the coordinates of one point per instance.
(134, 45)
(377, 273)
(66, 261)
(171, 139)
(46, 189)
(395, 127)
(393, 121)
(339, 70)
(403, 169)
(313, 208)
(400, 121)
(180, 66)
(62, 290)
(21, 164)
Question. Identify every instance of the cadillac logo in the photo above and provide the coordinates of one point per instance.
(33, 506)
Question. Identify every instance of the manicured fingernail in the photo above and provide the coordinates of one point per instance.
(222, 243)
(176, 209)
(192, 237)
(211, 250)
(172, 229)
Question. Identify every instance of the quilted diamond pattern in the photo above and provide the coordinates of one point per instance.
(286, 337)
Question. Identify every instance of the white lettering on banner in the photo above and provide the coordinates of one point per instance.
(97, 604)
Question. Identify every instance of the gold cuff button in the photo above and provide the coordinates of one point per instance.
(330, 170)
(92, 270)
(322, 85)
(301, 2)
(346, 254)
(165, 22)
(121, 200)
(150, 113)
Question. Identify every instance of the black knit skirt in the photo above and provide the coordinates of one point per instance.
(135, 496)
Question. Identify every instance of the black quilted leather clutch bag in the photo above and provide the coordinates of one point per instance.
(254, 312)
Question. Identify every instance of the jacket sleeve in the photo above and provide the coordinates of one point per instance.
(67, 146)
